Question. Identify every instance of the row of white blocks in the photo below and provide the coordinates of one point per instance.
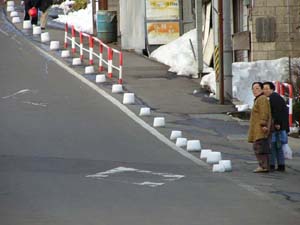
(13, 14)
(45, 37)
(214, 158)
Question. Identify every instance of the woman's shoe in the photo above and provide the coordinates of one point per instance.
(272, 168)
(260, 170)
(281, 168)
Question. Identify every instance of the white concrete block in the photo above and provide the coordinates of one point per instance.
(117, 88)
(159, 122)
(145, 111)
(10, 3)
(27, 24)
(204, 153)
(214, 157)
(65, 53)
(36, 30)
(175, 134)
(45, 37)
(14, 14)
(76, 62)
(16, 19)
(193, 145)
(100, 78)
(181, 142)
(89, 69)
(227, 165)
(10, 8)
(128, 98)
(54, 45)
(217, 168)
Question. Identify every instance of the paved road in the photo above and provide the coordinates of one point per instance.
(56, 131)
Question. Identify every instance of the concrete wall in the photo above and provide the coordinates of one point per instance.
(287, 39)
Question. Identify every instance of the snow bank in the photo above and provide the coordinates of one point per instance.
(245, 73)
(81, 19)
(209, 82)
(179, 56)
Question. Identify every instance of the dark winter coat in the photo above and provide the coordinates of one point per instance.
(43, 5)
(280, 112)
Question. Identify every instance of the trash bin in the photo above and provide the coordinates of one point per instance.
(107, 26)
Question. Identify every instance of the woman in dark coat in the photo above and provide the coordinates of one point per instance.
(42, 5)
(280, 117)
(28, 5)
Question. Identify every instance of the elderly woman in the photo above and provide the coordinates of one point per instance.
(259, 129)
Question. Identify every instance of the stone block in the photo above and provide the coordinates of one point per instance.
(261, 3)
(260, 55)
(295, 54)
(263, 11)
(276, 2)
(283, 28)
(281, 54)
(283, 46)
(264, 46)
(295, 45)
(281, 11)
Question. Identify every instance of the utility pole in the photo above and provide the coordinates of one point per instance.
(199, 35)
(93, 17)
(221, 75)
(102, 4)
(227, 55)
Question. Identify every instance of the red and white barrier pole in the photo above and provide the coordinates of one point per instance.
(91, 50)
(110, 62)
(277, 85)
(81, 45)
(121, 68)
(73, 40)
(100, 57)
(66, 36)
(290, 88)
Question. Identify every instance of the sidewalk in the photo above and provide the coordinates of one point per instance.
(196, 115)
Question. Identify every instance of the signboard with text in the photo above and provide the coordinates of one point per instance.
(162, 9)
(162, 21)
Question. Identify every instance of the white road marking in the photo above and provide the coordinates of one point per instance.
(36, 103)
(3, 32)
(165, 177)
(150, 184)
(17, 93)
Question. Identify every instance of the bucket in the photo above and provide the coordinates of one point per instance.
(107, 26)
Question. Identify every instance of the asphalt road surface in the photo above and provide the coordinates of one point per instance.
(70, 157)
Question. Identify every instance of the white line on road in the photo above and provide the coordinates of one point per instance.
(17, 93)
(3, 32)
(165, 177)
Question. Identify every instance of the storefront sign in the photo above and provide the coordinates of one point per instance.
(162, 9)
(160, 33)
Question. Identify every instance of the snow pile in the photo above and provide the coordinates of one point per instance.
(178, 54)
(245, 73)
(81, 19)
(209, 82)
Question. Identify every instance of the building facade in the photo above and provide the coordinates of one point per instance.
(273, 27)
